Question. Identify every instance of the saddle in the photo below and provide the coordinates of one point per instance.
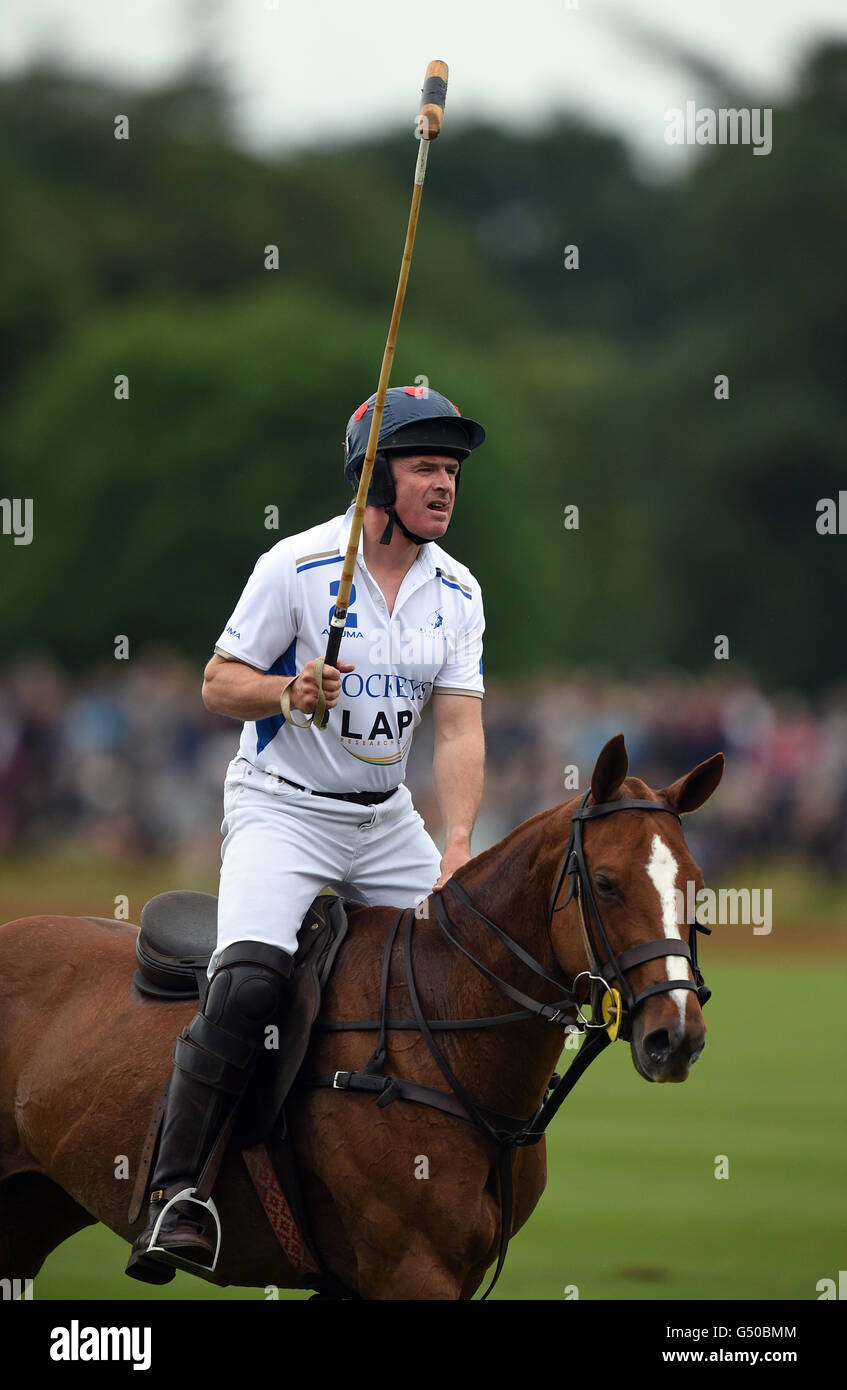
(175, 942)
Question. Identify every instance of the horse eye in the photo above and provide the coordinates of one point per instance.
(604, 883)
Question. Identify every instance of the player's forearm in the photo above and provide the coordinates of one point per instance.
(457, 767)
(236, 690)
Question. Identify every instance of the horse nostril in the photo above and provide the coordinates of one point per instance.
(657, 1045)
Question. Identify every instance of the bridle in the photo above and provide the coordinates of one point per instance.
(616, 1004)
(613, 1008)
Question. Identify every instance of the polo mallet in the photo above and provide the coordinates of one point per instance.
(427, 127)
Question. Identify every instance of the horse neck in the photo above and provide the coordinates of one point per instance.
(510, 884)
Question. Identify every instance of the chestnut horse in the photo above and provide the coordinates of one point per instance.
(82, 1061)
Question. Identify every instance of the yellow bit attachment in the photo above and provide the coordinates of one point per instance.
(612, 1012)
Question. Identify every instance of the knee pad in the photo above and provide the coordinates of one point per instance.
(248, 987)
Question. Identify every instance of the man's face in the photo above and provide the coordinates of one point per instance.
(425, 485)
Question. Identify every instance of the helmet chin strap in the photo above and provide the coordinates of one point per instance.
(385, 538)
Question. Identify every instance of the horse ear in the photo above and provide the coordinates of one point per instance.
(691, 791)
(609, 770)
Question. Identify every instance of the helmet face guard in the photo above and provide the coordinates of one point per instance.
(416, 420)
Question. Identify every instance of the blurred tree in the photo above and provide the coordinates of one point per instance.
(146, 257)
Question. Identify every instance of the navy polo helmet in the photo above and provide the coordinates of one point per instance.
(416, 419)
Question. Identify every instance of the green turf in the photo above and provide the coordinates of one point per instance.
(72, 881)
(632, 1208)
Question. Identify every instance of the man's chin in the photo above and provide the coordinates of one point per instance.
(432, 525)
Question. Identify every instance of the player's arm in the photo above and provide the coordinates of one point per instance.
(458, 761)
(234, 688)
(237, 681)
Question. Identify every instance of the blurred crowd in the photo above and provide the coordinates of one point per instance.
(126, 761)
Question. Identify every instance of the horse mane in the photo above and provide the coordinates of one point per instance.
(504, 849)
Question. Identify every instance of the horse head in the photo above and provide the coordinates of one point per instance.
(616, 906)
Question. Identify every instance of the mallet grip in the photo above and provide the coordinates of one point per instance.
(433, 97)
(333, 647)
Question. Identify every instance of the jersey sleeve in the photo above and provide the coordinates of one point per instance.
(263, 623)
(461, 673)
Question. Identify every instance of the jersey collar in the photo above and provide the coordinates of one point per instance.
(423, 565)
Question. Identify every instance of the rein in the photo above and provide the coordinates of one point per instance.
(615, 1006)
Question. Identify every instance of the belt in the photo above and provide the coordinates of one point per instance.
(360, 798)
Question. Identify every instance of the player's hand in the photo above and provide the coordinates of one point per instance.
(303, 692)
(452, 859)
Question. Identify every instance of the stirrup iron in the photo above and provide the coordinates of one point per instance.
(188, 1194)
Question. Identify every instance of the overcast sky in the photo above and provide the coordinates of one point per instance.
(306, 70)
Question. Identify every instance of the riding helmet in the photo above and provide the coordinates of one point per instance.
(416, 420)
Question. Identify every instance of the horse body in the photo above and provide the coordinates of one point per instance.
(410, 1236)
(404, 1200)
(82, 1065)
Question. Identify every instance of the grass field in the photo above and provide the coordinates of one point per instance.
(632, 1208)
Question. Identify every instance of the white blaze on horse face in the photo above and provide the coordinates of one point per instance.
(662, 870)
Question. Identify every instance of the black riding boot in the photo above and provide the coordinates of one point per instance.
(214, 1058)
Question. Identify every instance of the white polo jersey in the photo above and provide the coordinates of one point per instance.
(431, 642)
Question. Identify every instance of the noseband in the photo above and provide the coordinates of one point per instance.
(604, 965)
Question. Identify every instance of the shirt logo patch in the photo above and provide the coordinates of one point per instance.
(380, 736)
